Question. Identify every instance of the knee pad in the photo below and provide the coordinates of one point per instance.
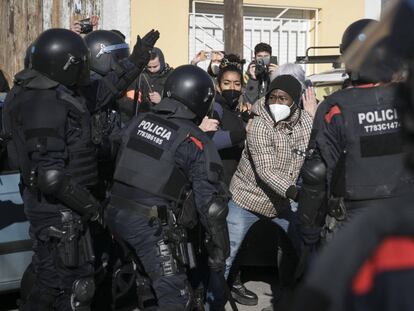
(82, 294)
(314, 172)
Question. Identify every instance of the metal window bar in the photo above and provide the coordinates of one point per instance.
(211, 18)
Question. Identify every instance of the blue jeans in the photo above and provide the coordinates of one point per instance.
(239, 221)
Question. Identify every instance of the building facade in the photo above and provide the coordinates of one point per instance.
(289, 26)
(187, 26)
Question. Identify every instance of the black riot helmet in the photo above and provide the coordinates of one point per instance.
(62, 56)
(355, 31)
(191, 86)
(107, 48)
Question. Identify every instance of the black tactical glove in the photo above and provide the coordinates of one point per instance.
(142, 49)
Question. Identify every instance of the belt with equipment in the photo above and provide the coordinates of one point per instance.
(145, 210)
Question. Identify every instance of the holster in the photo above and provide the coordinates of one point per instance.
(73, 241)
(336, 208)
(175, 235)
(183, 250)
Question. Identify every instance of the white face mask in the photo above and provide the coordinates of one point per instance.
(279, 112)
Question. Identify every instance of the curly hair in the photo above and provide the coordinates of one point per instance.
(231, 62)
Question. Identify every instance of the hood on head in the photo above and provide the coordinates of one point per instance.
(160, 55)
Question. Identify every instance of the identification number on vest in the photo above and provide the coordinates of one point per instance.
(153, 132)
(385, 120)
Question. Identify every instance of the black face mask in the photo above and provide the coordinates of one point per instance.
(231, 97)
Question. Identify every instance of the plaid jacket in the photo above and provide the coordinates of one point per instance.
(270, 162)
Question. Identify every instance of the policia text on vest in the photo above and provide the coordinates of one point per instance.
(379, 120)
(153, 132)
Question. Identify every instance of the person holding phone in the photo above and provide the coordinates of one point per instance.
(215, 60)
(86, 25)
(260, 72)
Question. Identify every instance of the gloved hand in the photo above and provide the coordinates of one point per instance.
(142, 49)
(310, 235)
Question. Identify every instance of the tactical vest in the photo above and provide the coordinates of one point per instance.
(147, 156)
(373, 159)
(81, 164)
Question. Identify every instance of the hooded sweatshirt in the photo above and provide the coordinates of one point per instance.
(151, 82)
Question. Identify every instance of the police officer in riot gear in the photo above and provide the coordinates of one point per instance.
(107, 50)
(46, 114)
(162, 155)
(384, 234)
(355, 158)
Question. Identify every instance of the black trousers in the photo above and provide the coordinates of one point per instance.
(172, 291)
(52, 288)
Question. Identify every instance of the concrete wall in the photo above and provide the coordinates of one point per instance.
(170, 17)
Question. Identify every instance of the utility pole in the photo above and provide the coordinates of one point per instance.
(233, 27)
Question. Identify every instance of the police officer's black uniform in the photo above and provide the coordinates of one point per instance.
(356, 153)
(377, 269)
(49, 122)
(107, 49)
(163, 154)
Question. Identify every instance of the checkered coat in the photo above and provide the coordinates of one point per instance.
(271, 161)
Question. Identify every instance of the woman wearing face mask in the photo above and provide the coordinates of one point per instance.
(227, 129)
(227, 126)
(266, 176)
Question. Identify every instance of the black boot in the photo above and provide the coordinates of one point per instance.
(241, 294)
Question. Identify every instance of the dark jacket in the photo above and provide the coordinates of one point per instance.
(150, 82)
(229, 139)
(345, 138)
(191, 157)
(369, 267)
